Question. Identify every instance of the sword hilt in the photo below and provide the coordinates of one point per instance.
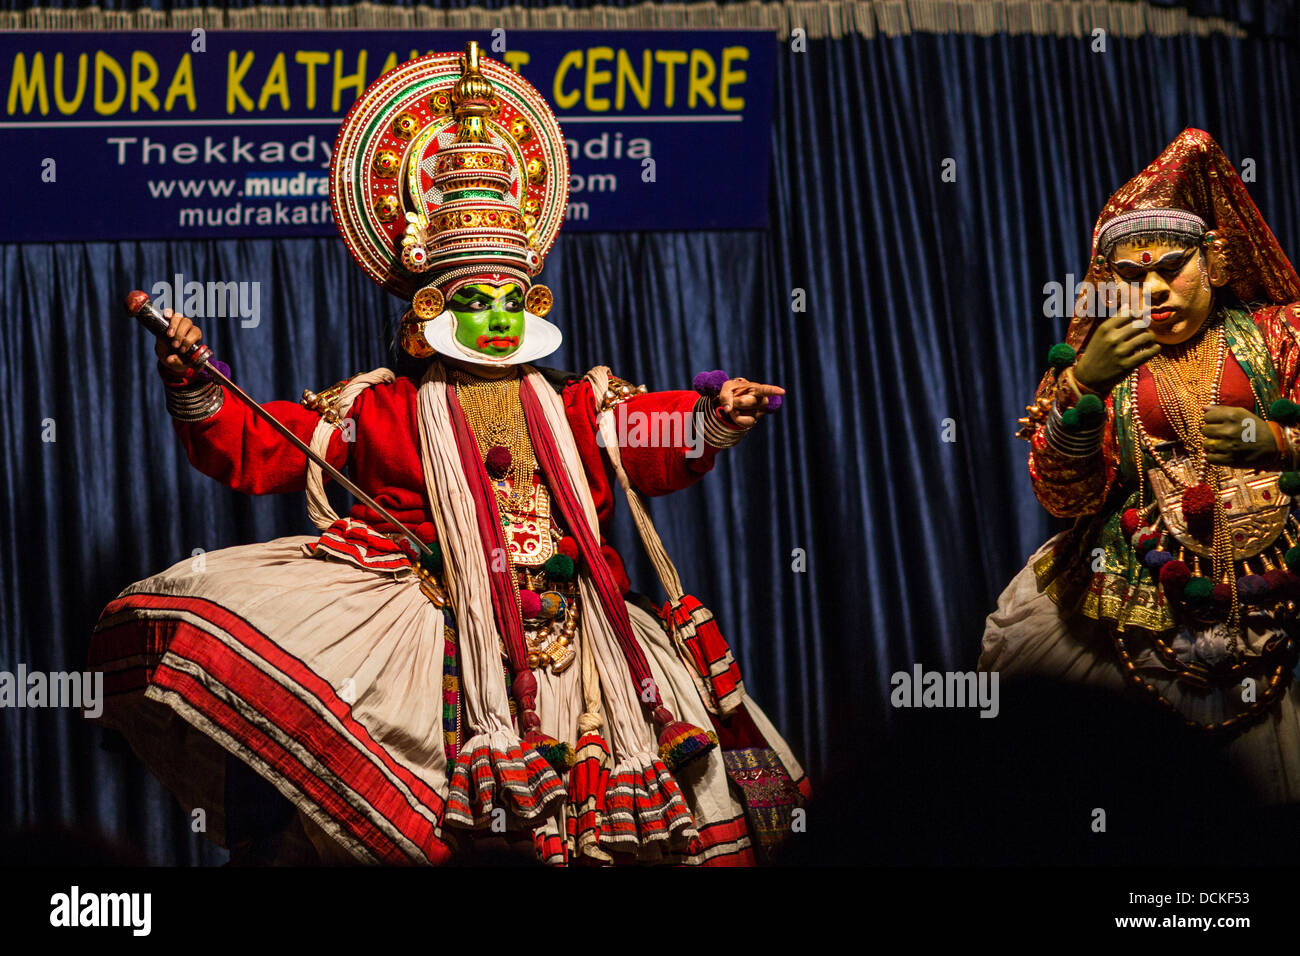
(139, 305)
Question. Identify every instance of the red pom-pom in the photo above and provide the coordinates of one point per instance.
(1222, 593)
(1281, 584)
(1174, 576)
(530, 603)
(498, 460)
(1198, 504)
(569, 548)
(1129, 522)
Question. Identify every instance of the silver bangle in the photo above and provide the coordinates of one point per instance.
(1078, 444)
(195, 403)
(714, 432)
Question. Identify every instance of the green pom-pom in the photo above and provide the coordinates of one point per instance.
(560, 567)
(1292, 559)
(1198, 589)
(1284, 412)
(1289, 482)
(431, 560)
(1087, 412)
(1091, 411)
(1060, 356)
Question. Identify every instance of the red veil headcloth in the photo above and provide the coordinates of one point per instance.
(1193, 175)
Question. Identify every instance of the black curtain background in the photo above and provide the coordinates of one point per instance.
(924, 315)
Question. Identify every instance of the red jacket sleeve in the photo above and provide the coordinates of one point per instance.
(662, 450)
(239, 449)
(656, 471)
(1280, 327)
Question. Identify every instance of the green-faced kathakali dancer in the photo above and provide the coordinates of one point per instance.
(500, 681)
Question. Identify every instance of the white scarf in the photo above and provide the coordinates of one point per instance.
(483, 683)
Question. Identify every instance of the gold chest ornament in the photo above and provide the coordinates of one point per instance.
(526, 521)
(1254, 509)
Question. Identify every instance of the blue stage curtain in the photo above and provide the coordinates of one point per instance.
(899, 308)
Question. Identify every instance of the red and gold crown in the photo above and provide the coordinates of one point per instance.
(450, 169)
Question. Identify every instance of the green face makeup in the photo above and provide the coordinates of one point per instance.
(489, 319)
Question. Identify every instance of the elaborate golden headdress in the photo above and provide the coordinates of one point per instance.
(451, 169)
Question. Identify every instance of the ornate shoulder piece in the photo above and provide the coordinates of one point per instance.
(325, 402)
(619, 390)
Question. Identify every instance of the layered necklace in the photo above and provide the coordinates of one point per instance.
(1187, 378)
(496, 416)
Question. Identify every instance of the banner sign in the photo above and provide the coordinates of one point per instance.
(228, 134)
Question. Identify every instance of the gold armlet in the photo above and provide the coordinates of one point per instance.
(325, 402)
(619, 390)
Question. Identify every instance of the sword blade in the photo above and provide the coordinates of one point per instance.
(298, 443)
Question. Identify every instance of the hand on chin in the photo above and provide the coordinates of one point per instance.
(1176, 331)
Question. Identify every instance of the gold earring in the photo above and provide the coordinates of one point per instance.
(428, 303)
(539, 300)
(412, 336)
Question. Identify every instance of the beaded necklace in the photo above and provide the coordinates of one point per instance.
(1186, 381)
(496, 417)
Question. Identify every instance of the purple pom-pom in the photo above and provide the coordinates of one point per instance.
(1252, 588)
(710, 383)
(202, 374)
(1155, 560)
(498, 460)
(773, 402)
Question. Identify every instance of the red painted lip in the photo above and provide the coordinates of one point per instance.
(1162, 315)
(498, 341)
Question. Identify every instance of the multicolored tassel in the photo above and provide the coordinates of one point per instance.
(680, 742)
(557, 753)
